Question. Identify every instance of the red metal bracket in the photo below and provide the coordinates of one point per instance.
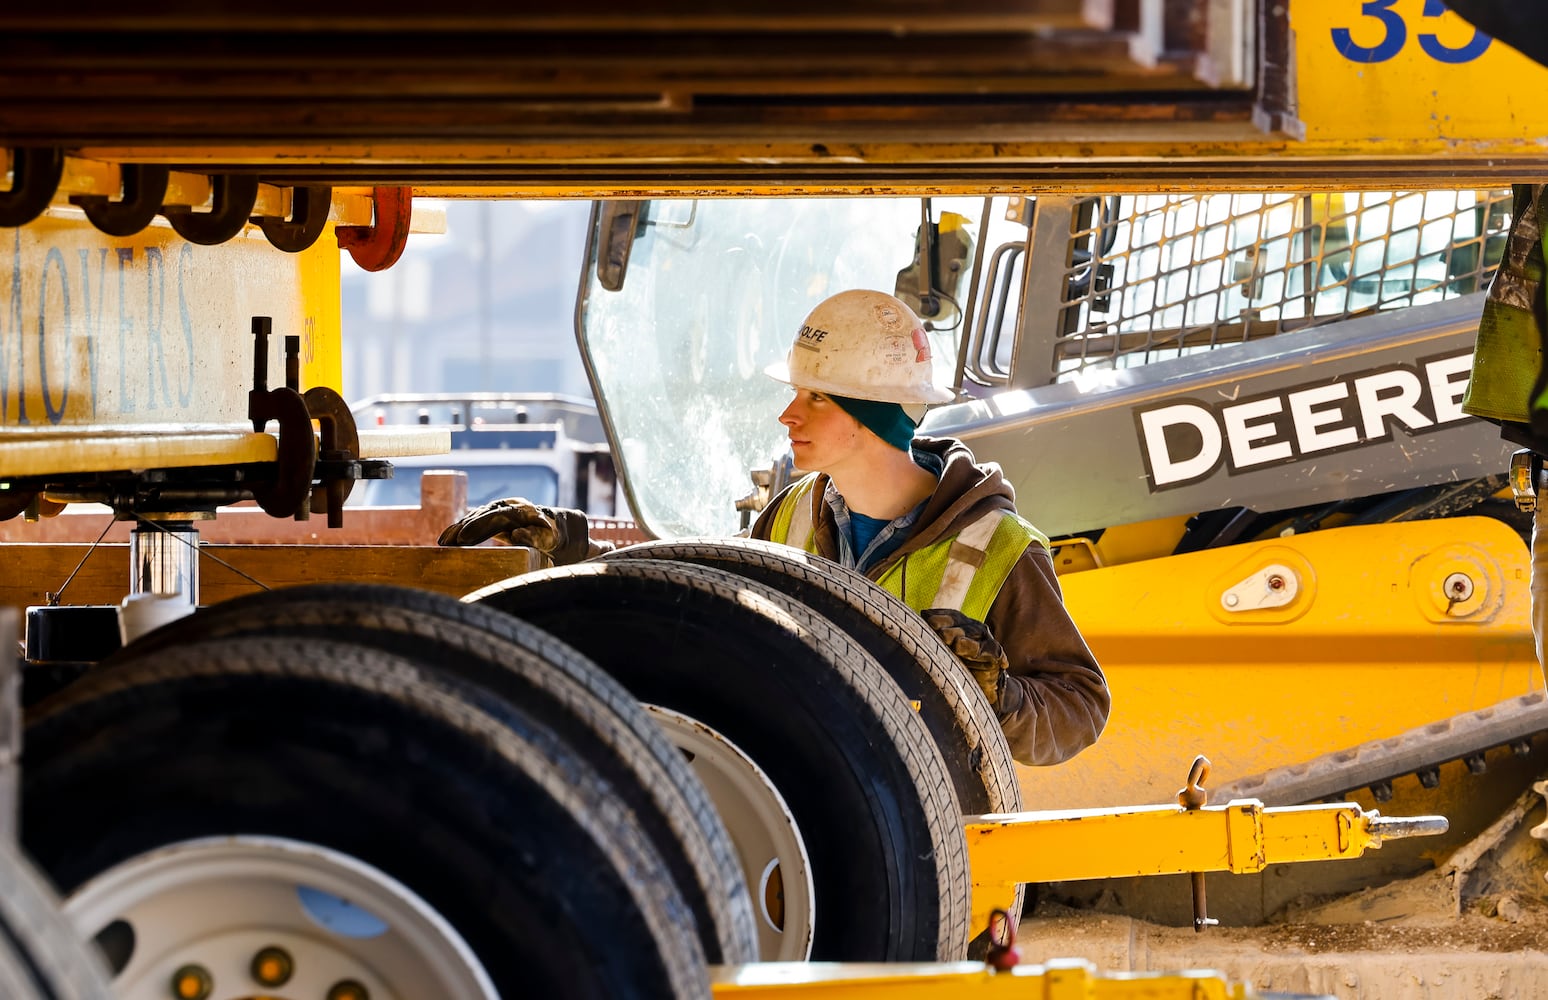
(378, 246)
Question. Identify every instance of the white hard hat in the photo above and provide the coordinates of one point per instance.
(865, 345)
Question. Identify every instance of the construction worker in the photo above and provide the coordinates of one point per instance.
(1509, 383)
(918, 515)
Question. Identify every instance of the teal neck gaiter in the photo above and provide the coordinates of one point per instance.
(886, 420)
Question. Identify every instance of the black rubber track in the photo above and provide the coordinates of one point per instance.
(41, 956)
(495, 822)
(834, 733)
(548, 680)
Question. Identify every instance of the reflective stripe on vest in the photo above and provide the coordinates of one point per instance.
(964, 572)
(794, 517)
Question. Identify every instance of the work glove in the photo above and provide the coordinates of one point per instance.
(979, 651)
(558, 532)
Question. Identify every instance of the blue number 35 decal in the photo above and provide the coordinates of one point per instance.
(1395, 35)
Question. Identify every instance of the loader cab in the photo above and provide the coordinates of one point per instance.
(1124, 358)
(684, 303)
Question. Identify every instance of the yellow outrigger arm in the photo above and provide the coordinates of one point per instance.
(1241, 836)
(1058, 979)
(1244, 835)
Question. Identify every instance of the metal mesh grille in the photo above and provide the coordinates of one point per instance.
(1155, 277)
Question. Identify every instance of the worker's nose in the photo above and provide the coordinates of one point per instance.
(790, 417)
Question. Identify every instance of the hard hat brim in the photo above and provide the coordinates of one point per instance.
(779, 371)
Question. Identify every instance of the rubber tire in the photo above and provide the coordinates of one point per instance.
(41, 955)
(834, 733)
(548, 679)
(953, 707)
(472, 804)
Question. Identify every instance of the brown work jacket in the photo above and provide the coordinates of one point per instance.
(1056, 701)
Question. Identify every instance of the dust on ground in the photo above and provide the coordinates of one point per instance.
(1465, 956)
(1474, 935)
(1473, 928)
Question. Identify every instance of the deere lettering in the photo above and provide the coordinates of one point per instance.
(69, 316)
(1184, 441)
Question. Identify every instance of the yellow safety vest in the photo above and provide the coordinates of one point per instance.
(964, 571)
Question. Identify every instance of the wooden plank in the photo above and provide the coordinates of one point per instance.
(31, 571)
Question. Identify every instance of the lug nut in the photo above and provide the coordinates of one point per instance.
(191, 982)
(272, 967)
(348, 989)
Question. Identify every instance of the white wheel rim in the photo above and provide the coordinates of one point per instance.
(768, 842)
(215, 903)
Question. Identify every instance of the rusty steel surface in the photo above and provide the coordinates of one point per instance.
(604, 99)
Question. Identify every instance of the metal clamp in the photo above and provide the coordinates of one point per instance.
(378, 246)
(35, 175)
(1526, 475)
(309, 207)
(287, 495)
(1193, 796)
(338, 457)
(233, 197)
(1003, 955)
(144, 186)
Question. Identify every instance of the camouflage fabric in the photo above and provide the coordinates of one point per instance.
(1507, 383)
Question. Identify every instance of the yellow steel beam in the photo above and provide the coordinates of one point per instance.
(1241, 836)
(1060, 979)
(1049, 161)
(44, 451)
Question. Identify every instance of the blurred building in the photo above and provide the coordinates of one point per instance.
(489, 306)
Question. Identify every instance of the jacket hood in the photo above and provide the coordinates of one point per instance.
(967, 490)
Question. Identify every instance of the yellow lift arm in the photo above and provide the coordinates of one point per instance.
(1059, 979)
(1241, 836)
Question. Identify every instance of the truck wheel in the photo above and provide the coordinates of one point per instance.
(775, 864)
(41, 955)
(490, 857)
(549, 680)
(960, 719)
(953, 709)
(836, 737)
